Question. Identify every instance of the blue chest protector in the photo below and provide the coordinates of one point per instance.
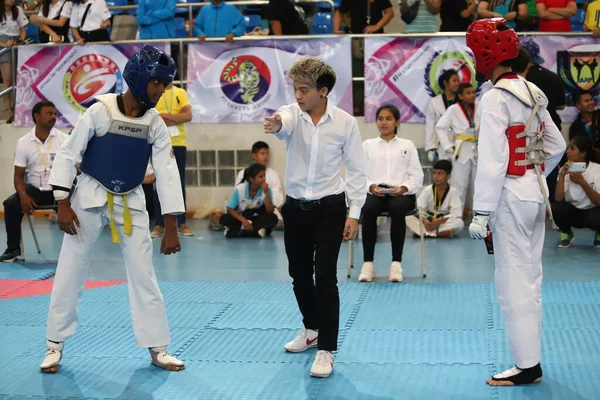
(119, 158)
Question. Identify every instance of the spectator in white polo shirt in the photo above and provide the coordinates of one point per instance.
(12, 29)
(90, 20)
(34, 155)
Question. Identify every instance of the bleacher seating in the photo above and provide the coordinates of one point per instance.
(182, 10)
(252, 21)
(322, 23)
(113, 3)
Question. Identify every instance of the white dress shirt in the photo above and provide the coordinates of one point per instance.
(575, 194)
(98, 13)
(497, 111)
(274, 183)
(316, 153)
(37, 157)
(436, 109)
(12, 27)
(394, 163)
(55, 8)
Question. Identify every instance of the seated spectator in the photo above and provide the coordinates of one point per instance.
(555, 15)
(12, 29)
(175, 109)
(394, 174)
(260, 155)
(424, 15)
(457, 15)
(592, 17)
(286, 18)
(250, 211)
(156, 19)
(587, 122)
(511, 10)
(441, 205)
(34, 154)
(578, 194)
(531, 22)
(53, 21)
(219, 19)
(90, 20)
(364, 19)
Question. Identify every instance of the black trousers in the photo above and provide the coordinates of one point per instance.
(312, 243)
(567, 216)
(180, 157)
(397, 207)
(260, 219)
(13, 214)
(99, 35)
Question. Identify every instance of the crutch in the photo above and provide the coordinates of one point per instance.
(422, 232)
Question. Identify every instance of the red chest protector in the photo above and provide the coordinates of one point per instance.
(526, 145)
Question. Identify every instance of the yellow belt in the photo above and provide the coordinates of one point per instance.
(463, 139)
(127, 225)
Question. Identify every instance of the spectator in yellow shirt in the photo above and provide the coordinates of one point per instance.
(175, 109)
(592, 18)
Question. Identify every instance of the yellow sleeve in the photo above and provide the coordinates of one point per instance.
(591, 15)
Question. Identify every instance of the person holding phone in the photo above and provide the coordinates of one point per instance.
(394, 174)
(578, 192)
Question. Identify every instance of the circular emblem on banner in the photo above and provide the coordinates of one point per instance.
(245, 79)
(440, 62)
(579, 70)
(89, 76)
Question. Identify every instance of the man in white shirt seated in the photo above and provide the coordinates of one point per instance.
(34, 154)
(441, 204)
(260, 155)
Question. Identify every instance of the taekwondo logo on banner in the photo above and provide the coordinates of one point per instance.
(244, 81)
(70, 77)
(397, 71)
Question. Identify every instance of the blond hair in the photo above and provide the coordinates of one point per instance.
(313, 72)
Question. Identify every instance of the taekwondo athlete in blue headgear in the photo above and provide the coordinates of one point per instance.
(113, 142)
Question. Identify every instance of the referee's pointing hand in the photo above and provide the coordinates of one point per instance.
(272, 124)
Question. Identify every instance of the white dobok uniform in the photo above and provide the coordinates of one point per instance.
(517, 211)
(435, 110)
(455, 129)
(89, 202)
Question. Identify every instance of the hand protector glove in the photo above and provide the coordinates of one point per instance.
(479, 226)
(432, 155)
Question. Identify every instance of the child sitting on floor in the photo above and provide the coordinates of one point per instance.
(442, 209)
(250, 211)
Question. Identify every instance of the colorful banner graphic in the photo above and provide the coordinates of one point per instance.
(404, 72)
(245, 81)
(70, 77)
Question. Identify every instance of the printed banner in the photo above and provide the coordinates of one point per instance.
(70, 77)
(245, 81)
(404, 72)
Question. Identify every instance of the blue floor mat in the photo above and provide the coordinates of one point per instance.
(397, 341)
(27, 270)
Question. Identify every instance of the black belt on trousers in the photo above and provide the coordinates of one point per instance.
(309, 205)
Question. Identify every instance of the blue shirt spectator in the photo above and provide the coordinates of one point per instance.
(219, 20)
(156, 19)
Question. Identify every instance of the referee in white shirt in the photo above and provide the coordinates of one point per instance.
(35, 153)
(318, 137)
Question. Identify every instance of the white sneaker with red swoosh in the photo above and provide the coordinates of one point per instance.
(306, 339)
(323, 365)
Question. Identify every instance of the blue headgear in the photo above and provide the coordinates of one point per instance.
(146, 65)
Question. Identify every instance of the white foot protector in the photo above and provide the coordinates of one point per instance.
(166, 361)
(51, 361)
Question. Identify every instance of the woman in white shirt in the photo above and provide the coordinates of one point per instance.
(394, 174)
(12, 29)
(578, 194)
(448, 82)
(53, 20)
(90, 20)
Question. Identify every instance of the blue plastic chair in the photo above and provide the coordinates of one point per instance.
(112, 3)
(322, 23)
(180, 31)
(252, 21)
(577, 20)
(134, 11)
(33, 32)
(180, 10)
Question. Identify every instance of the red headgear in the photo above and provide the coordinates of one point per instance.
(491, 42)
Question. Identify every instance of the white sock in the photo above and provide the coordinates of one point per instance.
(159, 349)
